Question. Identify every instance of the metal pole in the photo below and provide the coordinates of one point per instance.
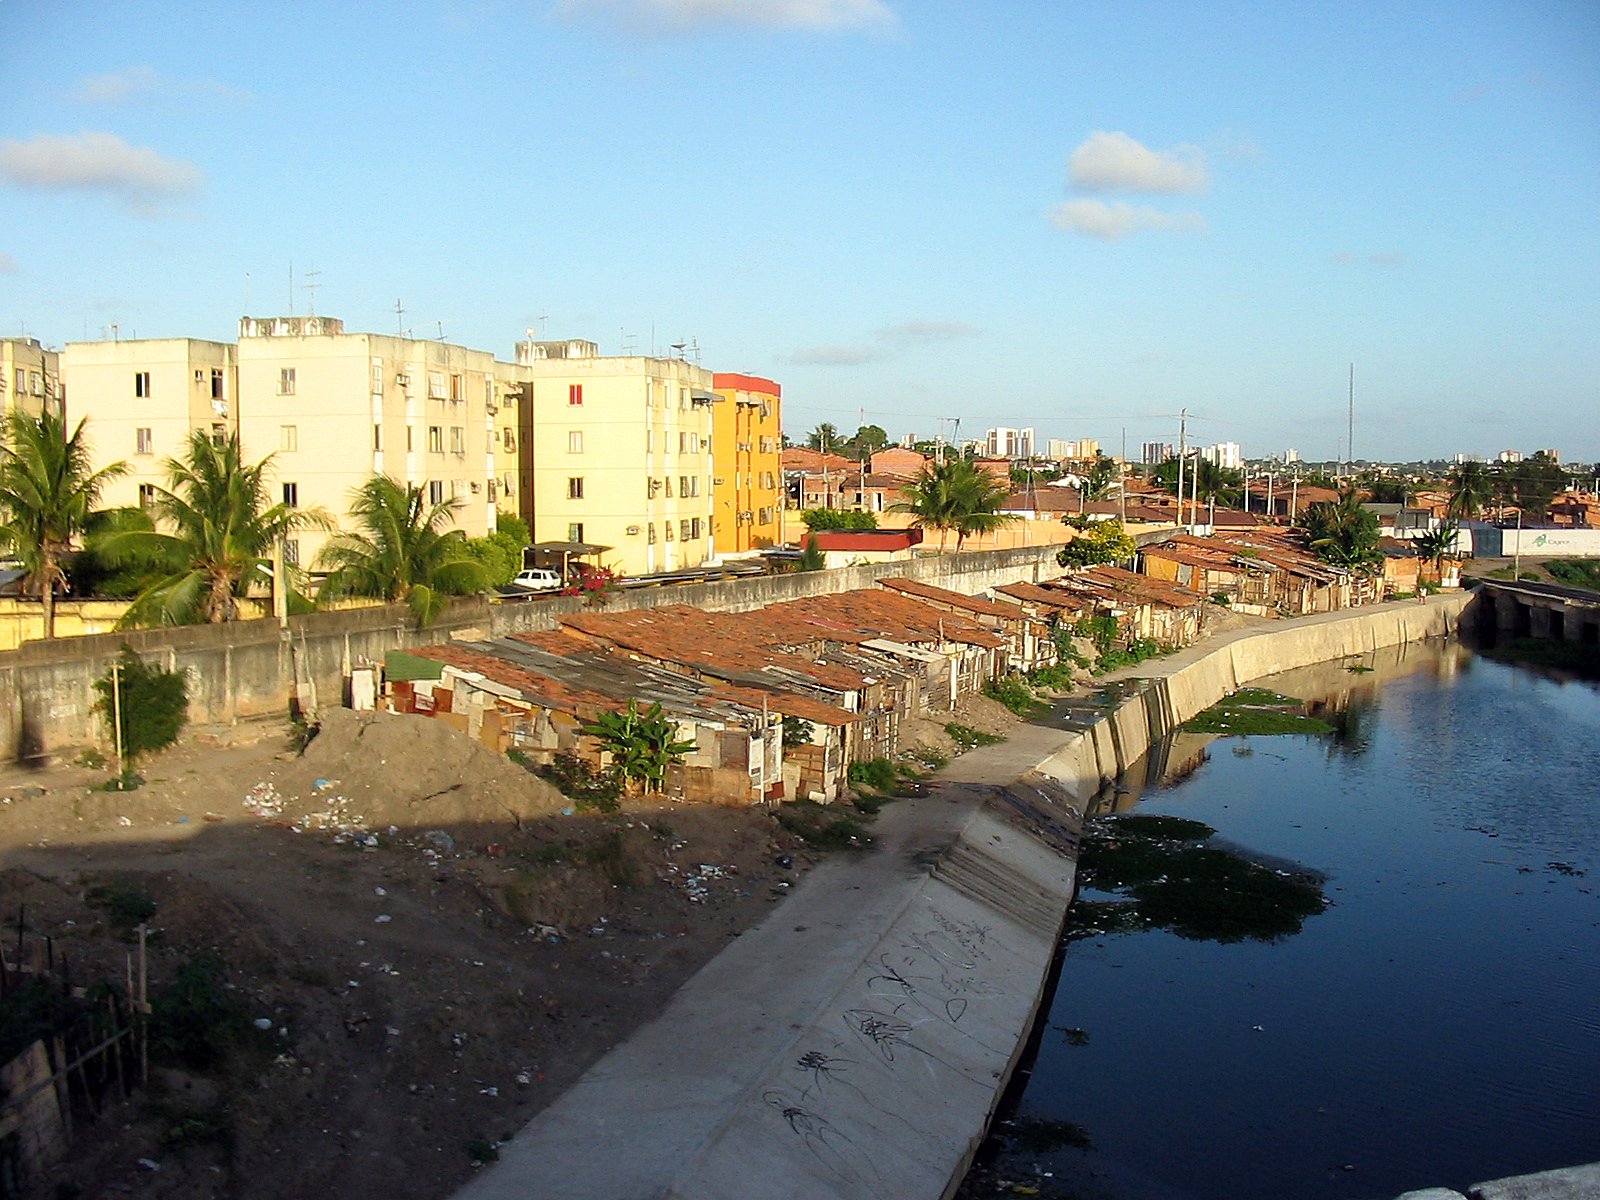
(116, 716)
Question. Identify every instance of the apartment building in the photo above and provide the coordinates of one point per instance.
(142, 397)
(336, 408)
(30, 377)
(622, 453)
(747, 497)
(513, 443)
(1003, 442)
(332, 408)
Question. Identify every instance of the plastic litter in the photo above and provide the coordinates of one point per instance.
(262, 1023)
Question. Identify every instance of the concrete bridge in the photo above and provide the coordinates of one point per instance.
(1539, 610)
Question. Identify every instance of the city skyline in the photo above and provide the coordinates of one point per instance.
(1079, 221)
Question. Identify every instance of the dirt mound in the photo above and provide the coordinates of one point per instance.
(371, 770)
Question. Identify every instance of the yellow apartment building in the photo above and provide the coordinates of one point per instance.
(747, 487)
(142, 397)
(621, 453)
(30, 377)
(513, 443)
(336, 408)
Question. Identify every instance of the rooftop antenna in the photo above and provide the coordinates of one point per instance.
(679, 347)
(399, 319)
(440, 324)
(1350, 436)
(311, 288)
(694, 348)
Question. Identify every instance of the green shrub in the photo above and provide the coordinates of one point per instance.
(967, 738)
(153, 703)
(1055, 678)
(586, 787)
(1221, 598)
(1013, 693)
(125, 905)
(797, 731)
(823, 826)
(819, 520)
(193, 1021)
(877, 773)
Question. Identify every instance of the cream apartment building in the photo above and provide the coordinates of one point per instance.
(621, 453)
(332, 408)
(747, 434)
(141, 398)
(30, 377)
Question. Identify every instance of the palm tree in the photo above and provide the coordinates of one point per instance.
(402, 553)
(212, 528)
(47, 494)
(1343, 532)
(1471, 489)
(1437, 544)
(954, 496)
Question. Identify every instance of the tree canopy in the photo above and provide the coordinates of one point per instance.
(1531, 484)
(402, 552)
(209, 538)
(1095, 542)
(1344, 533)
(955, 497)
(1472, 487)
(48, 494)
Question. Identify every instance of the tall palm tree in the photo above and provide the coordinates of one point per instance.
(212, 528)
(402, 552)
(1472, 487)
(1343, 532)
(48, 493)
(954, 496)
(1437, 544)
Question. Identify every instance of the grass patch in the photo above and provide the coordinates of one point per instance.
(587, 788)
(1255, 711)
(1014, 692)
(1576, 572)
(877, 773)
(195, 1022)
(125, 905)
(967, 738)
(1167, 878)
(824, 827)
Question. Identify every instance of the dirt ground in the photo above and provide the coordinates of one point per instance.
(438, 942)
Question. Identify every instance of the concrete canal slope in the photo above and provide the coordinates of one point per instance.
(1568, 1183)
(854, 1045)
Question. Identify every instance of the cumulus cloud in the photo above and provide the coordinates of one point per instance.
(97, 162)
(884, 343)
(1095, 218)
(133, 84)
(1115, 162)
(681, 16)
(8, 265)
(1381, 258)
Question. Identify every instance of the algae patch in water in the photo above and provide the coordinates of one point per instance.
(1255, 711)
(1166, 877)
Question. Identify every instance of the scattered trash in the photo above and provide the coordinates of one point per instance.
(440, 840)
(262, 1023)
(382, 919)
(125, 822)
(321, 785)
(523, 1079)
(149, 1164)
(784, 861)
(489, 1091)
(458, 1039)
(378, 891)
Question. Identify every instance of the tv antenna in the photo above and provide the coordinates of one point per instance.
(311, 288)
(399, 319)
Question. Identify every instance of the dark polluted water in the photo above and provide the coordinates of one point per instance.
(1437, 1024)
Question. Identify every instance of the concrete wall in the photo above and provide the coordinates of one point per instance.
(248, 669)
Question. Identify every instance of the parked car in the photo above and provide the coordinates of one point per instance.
(536, 579)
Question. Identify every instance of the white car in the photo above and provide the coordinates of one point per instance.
(537, 580)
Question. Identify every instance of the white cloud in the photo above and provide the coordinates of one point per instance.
(1095, 218)
(886, 342)
(678, 16)
(97, 162)
(133, 84)
(1115, 162)
(8, 265)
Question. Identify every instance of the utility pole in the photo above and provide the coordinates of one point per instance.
(1122, 480)
(1183, 449)
(1350, 433)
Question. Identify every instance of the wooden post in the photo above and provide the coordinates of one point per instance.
(116, 1049)
(116, 717)
(144, 1009)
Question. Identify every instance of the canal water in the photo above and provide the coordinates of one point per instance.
(1438, 1024)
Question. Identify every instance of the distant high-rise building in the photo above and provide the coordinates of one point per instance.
(1153, 454)
(1224, 454)
(1511, 456)
(1002, 442)
(1552, 454)
(1291, 455)
(1059, 448)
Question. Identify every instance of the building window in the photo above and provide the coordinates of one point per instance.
(492, 492)
(377, 437)
(458, 488)
(683, 530)
(216, 384)
(289, 438)
(574, 394)
(694, 528)
(666, 530)
(575, 532)
(668, 482)
(650, 534)
(219, 434)
(458, 387)
(147, 495)
(435, 439)
(575, 441)
(509, 436)
(409, 440)
(291, 551)
(435, 491)
(458, 443)
(436, 385)
(291, 495)
(142, 441)
(286, 381)
(377, 379)
(141, 384)
(683, 443)
(22, 379)
(575, 488)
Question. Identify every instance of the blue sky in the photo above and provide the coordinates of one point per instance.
(1082, 217)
